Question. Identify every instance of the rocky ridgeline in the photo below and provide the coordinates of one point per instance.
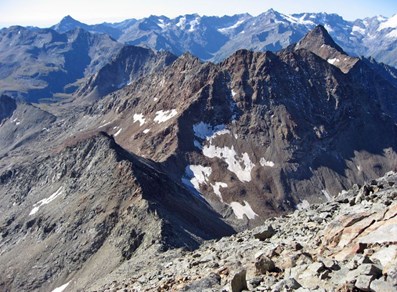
(347, 244)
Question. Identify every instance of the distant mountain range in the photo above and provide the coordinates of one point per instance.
(213, 38)
(43, 64)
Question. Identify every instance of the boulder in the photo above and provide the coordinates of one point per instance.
(289, 284)
(264, 232)
(363, 282)
(239, 282)
(264, 264)
(381, 285)
(211, 281)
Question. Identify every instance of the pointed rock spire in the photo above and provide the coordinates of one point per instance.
(319, 42)
(317, 39)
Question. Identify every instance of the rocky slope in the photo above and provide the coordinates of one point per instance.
(216, 38)
(187, 152)
(37, 64)
(347, 244)
(130, 64)
(92, 205)
(260, 133)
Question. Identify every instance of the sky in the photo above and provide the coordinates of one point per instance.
(44, 13)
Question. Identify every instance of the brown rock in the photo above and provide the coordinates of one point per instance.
(264, 264)
(239, 282)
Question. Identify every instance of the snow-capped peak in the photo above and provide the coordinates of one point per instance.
(388, 23)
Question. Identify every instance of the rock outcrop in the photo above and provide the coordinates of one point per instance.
(346, 244)
(260, 133)
(89, 208)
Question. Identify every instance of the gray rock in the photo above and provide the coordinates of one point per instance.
(316, 268)
(392, 275)
(385, 255)
(370, 270)
(363, 282)
(286, 285)
(239, 282)
(380, 285)
(264, 232)
(255, 282)
(211, 281)
(330, 264)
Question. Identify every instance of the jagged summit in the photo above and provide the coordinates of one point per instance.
(214, 38)
(68, 23)
(68, 18)
(319, 37)
(319, 42)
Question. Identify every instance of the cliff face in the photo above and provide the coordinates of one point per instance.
(261, 133)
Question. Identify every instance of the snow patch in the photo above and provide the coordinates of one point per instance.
(193, 24)
(61, 288)
(233, 93)
(303, 205)
(303, 21)
(104, 125)
(196, 175)
(46, 201)
(181, 23)
(392, 34)
(358, 29)
(240, 166)
(389, 23)
(327, 195)
(139, 118)
(16, 121)
(163, 116)
(206, 131)
(240, 210)
(161, 24)
(226, 29)
(118, 132)
(217, 190)
(333, 61)
(328, 28)
(264, 162)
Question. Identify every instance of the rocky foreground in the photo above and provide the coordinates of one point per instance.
(347, 244)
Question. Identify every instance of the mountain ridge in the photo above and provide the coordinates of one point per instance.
(266, 31)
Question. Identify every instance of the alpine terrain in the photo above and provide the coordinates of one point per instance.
(124, 168)
(215, 38)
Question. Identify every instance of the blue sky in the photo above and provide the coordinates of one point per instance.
(47, 12)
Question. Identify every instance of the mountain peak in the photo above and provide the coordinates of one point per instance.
(69, 20)
(317, 38)
(319, 42)
(68, 23)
